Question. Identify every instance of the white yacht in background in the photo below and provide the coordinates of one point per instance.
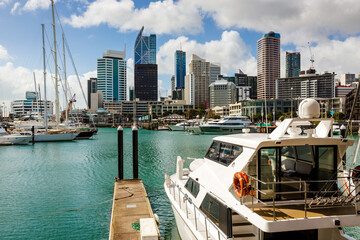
(283, 185)
(12, 139)
(183, 126)
(228, 125)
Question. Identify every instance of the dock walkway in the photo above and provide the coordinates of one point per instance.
(130, 204)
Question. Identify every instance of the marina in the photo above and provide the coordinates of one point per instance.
(65, 189)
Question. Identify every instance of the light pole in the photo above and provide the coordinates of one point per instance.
(291, 102)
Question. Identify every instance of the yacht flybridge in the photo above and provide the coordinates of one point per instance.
(290, 184)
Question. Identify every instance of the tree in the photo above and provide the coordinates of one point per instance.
(216, 116)
(339, 116)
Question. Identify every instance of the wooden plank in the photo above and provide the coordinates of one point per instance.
(130, 203)
(298, 212)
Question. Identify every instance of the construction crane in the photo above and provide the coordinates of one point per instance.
(311, 57)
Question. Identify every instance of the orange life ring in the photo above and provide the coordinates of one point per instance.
(356, 174)
(241, 184)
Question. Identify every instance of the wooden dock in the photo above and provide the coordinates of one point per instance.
(130, 204)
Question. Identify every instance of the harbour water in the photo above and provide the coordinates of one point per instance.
(64, 190)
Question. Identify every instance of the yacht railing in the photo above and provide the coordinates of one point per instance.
(328, 196)
(203, 224)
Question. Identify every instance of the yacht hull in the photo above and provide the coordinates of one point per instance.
(184, 230)
(224, 129)
(55, 137)
(14, 140)
(177, 128)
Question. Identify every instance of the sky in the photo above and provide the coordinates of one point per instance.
(223, 32)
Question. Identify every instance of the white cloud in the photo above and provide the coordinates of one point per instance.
(333, 56)
(3, 53)
(3, 3)
(159, 17)
(75, 87)
(230, 51)
(15, 7)
(32, 5)
(18, 80)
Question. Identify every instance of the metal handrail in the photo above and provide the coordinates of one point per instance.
(206, 218)
(303, 190)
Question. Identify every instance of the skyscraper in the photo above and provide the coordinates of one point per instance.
(293, 64)
(200, 71)
(146, 84)
(145, 70)
(268, 64)
(145, 48)
(180, 68)
(111, 75)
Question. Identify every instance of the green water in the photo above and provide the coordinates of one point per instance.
(64, 190)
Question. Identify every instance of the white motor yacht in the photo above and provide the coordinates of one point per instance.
(283, 185)
(228, 125)
(12, 139)
(183, 126)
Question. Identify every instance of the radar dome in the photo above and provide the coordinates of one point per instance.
(309, 108)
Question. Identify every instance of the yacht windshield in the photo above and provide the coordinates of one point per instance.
(224, 153)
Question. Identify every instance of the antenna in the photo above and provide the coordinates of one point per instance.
(311, 57)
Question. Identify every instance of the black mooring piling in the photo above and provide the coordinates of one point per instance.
(120, 141)
(135, 153)
(32, 134)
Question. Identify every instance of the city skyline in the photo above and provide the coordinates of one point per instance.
(203, 28)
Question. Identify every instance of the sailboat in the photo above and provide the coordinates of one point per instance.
(57, 134)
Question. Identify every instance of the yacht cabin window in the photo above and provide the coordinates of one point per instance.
(224, 153)
(192, 186)
(294, 163)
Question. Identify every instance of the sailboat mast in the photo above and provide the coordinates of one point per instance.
(57, 106)
(66, 85)
(46, 114)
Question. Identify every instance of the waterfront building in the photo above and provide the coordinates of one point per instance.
(222, 111)
(243, 80)
(126, 108)
(91, 88)
(292, 64)
(180, 69)
(145, 48)
(200, 69)
(111, 76)
(347, 79)
(215, 70)
(169, 106)
(32, 105)
(242, 93)
(306, 86)
(342, 91)
(173, 83)
(131, 93)
(253, 107)
(268, 64)
(222, 93)
(189, 88)
(146, 69)
(146, 82)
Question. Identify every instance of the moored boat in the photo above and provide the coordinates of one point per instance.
(283, 185)
(228, 125)
(13, 139)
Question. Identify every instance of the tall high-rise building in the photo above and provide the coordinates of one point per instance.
(145, 70)
(92, 88)
(180, 68)
(172, 83)
(200, 71)
(111, 75)
(215, 71)
(222, 93)
(146, 82)
(145, 48)
(268, 64)
(293, 67)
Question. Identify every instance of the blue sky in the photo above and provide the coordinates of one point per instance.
(220, 31)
